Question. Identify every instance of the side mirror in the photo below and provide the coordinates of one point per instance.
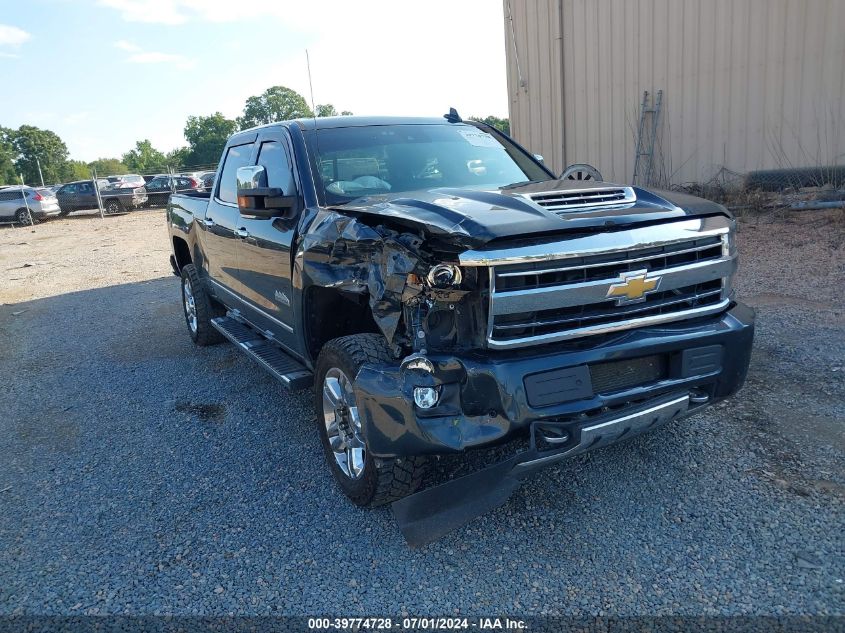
(539, 158)
(258, 200)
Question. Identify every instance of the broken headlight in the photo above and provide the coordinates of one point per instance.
(444, 276)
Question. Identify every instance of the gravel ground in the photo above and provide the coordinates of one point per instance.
(141, 475)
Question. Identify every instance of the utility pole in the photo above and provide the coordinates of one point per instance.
(40, 175)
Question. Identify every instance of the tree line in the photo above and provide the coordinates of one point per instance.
(23, 150)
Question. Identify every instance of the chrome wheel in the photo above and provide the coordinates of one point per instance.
(343, 426)
(190, 305)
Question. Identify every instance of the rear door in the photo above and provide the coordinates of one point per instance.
(67, 196)
(217, 229)
(265, 256)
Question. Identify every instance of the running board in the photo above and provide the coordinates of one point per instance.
(289, 371)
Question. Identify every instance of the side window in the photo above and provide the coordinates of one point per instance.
(275, 160)
(86, 188)
(237, 156)
(10, 195)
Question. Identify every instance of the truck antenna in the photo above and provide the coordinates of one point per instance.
(314, 116)
(311, 87)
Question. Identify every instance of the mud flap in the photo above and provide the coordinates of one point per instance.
(428, 515)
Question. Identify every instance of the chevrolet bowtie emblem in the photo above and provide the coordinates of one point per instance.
(633, 288)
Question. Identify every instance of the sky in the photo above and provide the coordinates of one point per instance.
(104, 74)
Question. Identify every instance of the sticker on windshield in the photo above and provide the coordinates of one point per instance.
(479, 138)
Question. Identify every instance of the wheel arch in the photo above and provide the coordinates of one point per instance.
(329, 313)
(181, 252)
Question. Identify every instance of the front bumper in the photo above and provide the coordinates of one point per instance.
(486, 399)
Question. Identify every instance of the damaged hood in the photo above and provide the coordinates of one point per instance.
(471, 217)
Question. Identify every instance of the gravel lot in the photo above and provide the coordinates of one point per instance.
(141, 475)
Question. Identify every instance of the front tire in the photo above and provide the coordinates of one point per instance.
(199, 309)
(366, 480)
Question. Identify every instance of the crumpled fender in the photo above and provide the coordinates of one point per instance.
(343, 252)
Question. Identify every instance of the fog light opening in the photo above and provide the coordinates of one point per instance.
(426, 397)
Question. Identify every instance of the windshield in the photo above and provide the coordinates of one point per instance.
(384, 159)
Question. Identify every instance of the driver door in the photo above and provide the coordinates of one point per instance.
(265, 254)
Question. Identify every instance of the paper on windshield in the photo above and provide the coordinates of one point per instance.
(479, 138)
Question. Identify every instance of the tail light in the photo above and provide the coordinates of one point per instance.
(194, 184)
(37, 197)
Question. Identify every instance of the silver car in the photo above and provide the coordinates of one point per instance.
(40, 204)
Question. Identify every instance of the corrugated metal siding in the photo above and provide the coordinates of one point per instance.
(747, 84)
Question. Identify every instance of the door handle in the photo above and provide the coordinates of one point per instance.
(241, 232)
(208, 222)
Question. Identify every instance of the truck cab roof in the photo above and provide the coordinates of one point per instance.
(328, 122)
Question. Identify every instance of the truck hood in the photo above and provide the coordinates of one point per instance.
(472, 217)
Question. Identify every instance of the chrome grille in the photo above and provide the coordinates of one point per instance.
(565, 290)
(570, 199)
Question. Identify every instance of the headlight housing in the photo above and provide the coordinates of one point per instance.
(444, 276)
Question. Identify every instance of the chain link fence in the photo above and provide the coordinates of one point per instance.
(102, 194)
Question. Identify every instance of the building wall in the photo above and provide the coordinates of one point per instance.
(747, 84)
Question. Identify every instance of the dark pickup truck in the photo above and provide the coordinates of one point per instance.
(444, 291)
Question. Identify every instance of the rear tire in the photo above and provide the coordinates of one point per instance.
(22, 217)
(199, 309)
(378, 481)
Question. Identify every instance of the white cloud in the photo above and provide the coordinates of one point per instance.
(129, 47)
(140, 56)
(13, 36)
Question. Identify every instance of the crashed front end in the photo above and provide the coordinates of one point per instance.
(549, 335)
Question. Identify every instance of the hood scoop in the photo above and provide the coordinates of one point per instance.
(565, 200)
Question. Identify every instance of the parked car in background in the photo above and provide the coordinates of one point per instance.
(207, 180)
(118, 199)
(126, 180)
(76, 196)
(160, 188)
(41, 203)
(79, 195)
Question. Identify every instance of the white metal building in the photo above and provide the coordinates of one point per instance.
(746, 84)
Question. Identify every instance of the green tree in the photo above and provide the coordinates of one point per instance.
(109, 166)
(207, 136)
(274, 104)
(76, 170)
(8, 175)
(326, 109)
(144, 158)
(178, 157)
(33, 145)
(503, 125)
